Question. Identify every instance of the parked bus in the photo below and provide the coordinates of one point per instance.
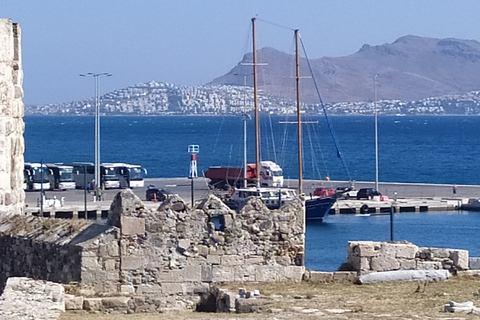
(61, 176)
(83, 174)
(36, 176)
(136, 175)
(114, 175)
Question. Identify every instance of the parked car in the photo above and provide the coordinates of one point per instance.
(367, 193)
(345, 193)
(323, 192)
(155, 194)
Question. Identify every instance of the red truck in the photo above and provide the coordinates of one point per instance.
(224, 177)
(271, 175)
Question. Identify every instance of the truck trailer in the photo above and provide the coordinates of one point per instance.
(271, 175)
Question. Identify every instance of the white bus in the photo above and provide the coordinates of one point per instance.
(35, 177)
(61, 176)
(136, 175)
(114, 175)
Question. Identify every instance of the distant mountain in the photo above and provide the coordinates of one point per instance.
(415, 76)
(410, 68)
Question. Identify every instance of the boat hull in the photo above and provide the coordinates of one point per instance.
(318, 208)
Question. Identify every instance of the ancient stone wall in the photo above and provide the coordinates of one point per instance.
(42, 248)
(373, 256)
(12, 196)
(157, 259)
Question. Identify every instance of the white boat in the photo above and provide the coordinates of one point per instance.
(273, 198)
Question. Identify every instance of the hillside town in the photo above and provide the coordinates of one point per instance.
(160, 98)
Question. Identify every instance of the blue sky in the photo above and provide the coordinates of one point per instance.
(193, 42)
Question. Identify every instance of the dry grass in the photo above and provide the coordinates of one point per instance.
(340, 301)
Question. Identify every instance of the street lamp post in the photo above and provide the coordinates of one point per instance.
(376, 132)
(97, 132)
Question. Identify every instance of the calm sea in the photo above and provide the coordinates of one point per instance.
(423, 149)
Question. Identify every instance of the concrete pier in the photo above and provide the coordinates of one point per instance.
(411, 197)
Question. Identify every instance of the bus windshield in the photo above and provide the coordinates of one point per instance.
(40, 175)
(136, 173)
(110, 174)
(66, 174)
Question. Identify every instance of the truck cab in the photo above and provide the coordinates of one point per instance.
(271, 174)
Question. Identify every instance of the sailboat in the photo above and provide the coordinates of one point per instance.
(273, 198)
(316, 207)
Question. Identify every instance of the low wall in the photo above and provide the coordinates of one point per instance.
(156, 259)
(373, 256)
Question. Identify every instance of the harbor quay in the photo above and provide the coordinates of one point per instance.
(402, 197)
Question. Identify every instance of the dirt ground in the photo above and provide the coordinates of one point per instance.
(405, 300)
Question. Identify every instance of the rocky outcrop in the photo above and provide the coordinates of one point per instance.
(12, 196)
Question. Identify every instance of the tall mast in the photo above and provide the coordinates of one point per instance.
(255, 101)
(299, 117)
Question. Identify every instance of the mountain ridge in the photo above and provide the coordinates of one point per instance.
(410, 68)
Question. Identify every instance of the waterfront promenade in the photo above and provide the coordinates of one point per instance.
(411, 195)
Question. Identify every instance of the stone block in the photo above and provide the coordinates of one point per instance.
(320, 276)
(344, 275)
(232, 260)
(363, 248)
(132, 262)
(132, 226)
(90, 263)
(359, 263)
(292, 273)
(429, 265)
(460, 259)
(222, 274)
(213, 259)
(127, 288)
(115, 303)
(192, 273)
(207, 275)
(149, 289)
(388, 250)
(92, 304)
(406, 250)
(73, 302)
(168, 276)
(113, 249)
(173, 288)
(407, 264)
(440, 253)
(251, 260)
(267, 273)
(384, 263)
(244, 273)
(474, 263)
(109, 264)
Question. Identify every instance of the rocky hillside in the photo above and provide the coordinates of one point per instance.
(410, 68)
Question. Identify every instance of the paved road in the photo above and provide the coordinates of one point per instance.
(182, 186)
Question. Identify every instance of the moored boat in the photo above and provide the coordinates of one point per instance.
(273, 198)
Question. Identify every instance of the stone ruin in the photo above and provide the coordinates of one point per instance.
(145, 260)
(12, 196)
(373, 256)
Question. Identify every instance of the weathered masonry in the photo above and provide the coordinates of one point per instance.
(158, 259)
(12, 196)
